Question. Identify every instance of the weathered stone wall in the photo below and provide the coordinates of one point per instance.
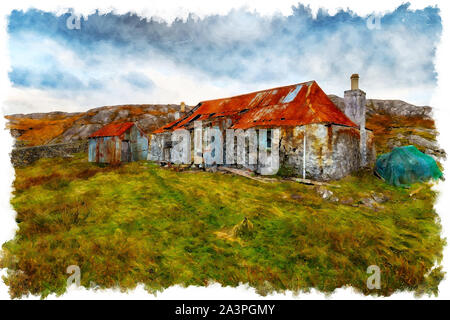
(355, 110)
(27, 155)
(332, 151)
(355, 106)
(160, 145)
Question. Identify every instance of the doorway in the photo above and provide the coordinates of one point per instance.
(126, 151)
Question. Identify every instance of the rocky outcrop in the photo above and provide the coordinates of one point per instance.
(397, 123)
(390, 107)
(61, 127)
(77, 132)
(398, 108)
(430, 147)
(147, 117)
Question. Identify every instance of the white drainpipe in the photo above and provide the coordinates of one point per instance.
(304, 154)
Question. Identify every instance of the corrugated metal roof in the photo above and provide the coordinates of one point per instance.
(112, 129)
(294, 105)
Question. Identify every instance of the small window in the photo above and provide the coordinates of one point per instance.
(269, 138)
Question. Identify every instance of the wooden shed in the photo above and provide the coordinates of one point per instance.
(118, 142)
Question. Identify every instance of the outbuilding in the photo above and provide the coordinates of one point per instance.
(118, 142)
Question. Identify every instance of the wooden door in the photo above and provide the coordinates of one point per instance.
(126, 151)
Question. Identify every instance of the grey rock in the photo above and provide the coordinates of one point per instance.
(324, 193)
(147, 120)
(334, 199)
(391, 107)
(398, 108)
(379, 197)
(368, 202)
(418, 140)
(103, 116)
(76, 132)
(431, 147)
(122, 114)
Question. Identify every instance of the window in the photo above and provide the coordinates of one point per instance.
(269, 139)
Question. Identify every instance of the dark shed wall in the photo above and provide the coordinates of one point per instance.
(109, 149)
(138, 143)
(105, 149)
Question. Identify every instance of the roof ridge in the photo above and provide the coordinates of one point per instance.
(259, 91)
(112, 129)
(295, 104)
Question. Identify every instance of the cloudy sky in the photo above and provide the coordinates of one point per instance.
(109, 59)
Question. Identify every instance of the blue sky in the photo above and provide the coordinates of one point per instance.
(124, 59)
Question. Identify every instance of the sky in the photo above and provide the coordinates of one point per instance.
(60, 63)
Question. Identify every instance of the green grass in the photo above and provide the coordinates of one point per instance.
(138, 223)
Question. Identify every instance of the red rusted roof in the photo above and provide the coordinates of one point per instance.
(294, 105)
(112, 129)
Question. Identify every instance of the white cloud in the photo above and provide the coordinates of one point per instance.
(329, 58)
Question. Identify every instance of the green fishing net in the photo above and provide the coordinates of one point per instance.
(406, 165)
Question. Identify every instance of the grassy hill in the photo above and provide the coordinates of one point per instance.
(139, 223)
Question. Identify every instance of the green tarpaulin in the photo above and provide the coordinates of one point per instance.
(406, 165)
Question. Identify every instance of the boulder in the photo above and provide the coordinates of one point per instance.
(324, 193)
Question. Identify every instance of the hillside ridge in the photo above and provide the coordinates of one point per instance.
(394, 122)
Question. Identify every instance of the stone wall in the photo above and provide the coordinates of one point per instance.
(160, 145)
(27, 155)
(332, 151)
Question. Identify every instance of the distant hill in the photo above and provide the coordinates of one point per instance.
(394, 123)
(61, 127)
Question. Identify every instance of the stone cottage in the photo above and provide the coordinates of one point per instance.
(316, 139)
(118, 142)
